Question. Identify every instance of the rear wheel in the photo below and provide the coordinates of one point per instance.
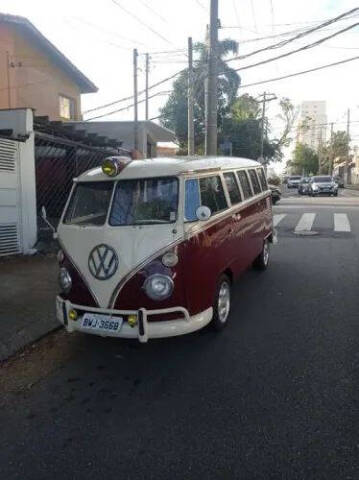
(262, 261)
(222, 303)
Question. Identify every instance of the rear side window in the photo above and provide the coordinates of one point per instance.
(246, 188)
(262, 179)
(232, 187)
(212, 194)
(255, 181)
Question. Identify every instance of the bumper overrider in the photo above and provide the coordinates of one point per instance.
(143, 330)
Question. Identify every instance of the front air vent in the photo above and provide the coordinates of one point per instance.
(9, 239)
(8, 150)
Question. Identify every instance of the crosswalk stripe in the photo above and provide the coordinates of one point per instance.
(341, 222)
(306, 222)
(278, 218)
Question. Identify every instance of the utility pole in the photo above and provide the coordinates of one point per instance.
(146, 86)
(347, 157)
(190, 99)
(331, 153)
(212, 99)
(267, 97)
(135, 95)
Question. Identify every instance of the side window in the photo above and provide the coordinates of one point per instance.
(262, 179)
(212, 194)
(232, 187)
(243, 178)
(192, 200)
(255, 181)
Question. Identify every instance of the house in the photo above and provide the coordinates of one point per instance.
(35, 74)
(167, 149)
(149, 134)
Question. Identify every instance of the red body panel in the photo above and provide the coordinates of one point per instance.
(230, 244)
(80, 293)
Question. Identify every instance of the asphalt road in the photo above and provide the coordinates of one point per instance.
(274, 396)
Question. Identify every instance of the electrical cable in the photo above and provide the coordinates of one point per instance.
(128, 106)
(144, 3)
(300, 35)
(141, 22)
(100, 107)
(300, 73)
(292, 52)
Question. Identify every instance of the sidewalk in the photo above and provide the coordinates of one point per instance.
(28, 286)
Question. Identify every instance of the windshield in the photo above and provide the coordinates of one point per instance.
(322, 179)
(145, 201)
(89, 204)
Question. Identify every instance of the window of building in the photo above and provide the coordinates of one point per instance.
(66, 107)
(246, 187)
(212, 193)
(255, 181)
(232, 187)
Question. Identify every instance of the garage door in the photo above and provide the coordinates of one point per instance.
(10, 228)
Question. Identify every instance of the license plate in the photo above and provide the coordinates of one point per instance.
(95, 321)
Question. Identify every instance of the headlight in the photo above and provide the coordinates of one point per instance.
(65, 280)
(315, 187)
(158, 287)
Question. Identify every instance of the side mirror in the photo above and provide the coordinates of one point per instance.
(43, 213)
(44, 217)
(203, 213)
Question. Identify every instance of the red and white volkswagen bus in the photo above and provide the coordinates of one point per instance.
(150, 248)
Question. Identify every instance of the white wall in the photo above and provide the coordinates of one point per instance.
(17, 184)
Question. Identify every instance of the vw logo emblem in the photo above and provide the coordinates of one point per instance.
(103, 262)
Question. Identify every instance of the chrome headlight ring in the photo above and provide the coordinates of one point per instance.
(65, 280)
(158, 286)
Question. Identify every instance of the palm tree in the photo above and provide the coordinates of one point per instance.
(174, 113)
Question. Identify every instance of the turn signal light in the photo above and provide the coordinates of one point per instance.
(132, 320)
(73, 315)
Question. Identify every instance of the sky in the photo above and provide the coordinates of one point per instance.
(99, 38)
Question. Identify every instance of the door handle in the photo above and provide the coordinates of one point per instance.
(236, 216)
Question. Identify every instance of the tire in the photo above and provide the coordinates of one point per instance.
(222, 303)
(335, 194)
(262, 261)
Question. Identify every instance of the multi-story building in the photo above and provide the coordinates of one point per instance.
(312, 124)
(35, 74)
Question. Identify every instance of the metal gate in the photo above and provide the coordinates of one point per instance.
(57, 161)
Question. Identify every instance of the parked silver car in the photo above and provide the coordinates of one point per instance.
(322, 184)
(293, 181)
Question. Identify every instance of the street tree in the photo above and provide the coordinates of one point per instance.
(305, 160)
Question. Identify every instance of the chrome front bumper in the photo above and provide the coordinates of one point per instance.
(144, 330)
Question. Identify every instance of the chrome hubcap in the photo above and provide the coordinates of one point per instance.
(224, 302)
(266, 253)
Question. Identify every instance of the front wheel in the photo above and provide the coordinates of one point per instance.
(222, 303)
(262, 261)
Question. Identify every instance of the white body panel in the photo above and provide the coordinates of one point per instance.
(133, 245)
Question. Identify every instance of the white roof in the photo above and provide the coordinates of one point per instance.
(166, 166)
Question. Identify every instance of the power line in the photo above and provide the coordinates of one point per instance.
(278, 57)
(141, 22)
(300, 73)
(302, 34)
(254, 17)
(144, 3)
(128, 106)
(199, 3)
(100, 107)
